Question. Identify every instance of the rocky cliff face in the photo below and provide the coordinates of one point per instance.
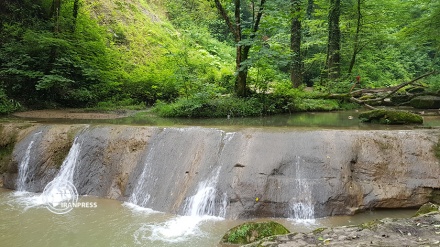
(252, 172)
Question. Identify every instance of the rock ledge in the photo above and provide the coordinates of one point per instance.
(422, 230)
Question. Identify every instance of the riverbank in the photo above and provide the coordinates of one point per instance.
(423, 230)
(73, 114)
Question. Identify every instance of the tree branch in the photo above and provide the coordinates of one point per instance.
(391, 90)
(225, 17)
(255, 28)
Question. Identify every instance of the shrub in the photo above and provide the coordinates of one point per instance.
(210, 107)
(7, 105)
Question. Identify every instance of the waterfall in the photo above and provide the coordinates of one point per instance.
(204, 201)
(55, 191)
(139, 196)
(207, 201)
(301, 205)
(23, 168)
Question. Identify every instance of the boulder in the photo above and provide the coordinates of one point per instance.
(425, 102)
(390, 117)
(252, 231)
(399, 99)
(427, 208)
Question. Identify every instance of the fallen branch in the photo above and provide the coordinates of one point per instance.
(391, 90)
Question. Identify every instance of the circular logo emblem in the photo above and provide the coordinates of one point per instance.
(60, 197)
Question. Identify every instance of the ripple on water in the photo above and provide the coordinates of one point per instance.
(179, 229)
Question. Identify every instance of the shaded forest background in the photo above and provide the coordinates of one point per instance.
(191, 57)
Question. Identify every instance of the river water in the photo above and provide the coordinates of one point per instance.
(25, 222)
(309, 120)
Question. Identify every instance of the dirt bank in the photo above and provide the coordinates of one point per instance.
(72, 114)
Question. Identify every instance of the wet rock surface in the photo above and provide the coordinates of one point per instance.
(423, 230)
(258, 172)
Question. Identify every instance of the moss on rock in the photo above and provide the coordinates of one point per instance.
(427, 208)
(390, 117)
(253, 231)
(371, 225)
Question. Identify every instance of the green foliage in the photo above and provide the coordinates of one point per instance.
(115, 54)
(316, 105)
(433, 83)
(111, 52)
(297, 99)
(197, 107)
(7, 105)
(253, 231)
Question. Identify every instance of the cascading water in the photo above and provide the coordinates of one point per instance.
(23, 168)
(204, 201)
(55, 191)
(301, 205)
(139, 196)
(207, 204)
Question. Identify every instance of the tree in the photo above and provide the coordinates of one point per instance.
(334, 40)
(295, 44)
(356, 46)
(243, 45)
(75, 13)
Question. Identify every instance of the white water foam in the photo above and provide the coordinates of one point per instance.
(31, 200)
(301, 205)
(58, 190)
(23, 168)
(176, 230)
(138, 209)
(205, 205)
(51, 193)
(204, 201)
(68, 167)
(26, 200)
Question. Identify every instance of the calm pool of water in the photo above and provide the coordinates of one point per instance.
(24, 222)
(308, 120)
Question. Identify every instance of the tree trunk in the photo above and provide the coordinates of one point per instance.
(242, 51)
(55, 12)
(75, 13)
(356, 38)
(240, 80)
(295, 45)
(334, 40)
(310, 9)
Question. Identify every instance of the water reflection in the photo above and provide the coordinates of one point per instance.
(314, 120)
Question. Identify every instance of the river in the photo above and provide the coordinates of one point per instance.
(24, 222)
